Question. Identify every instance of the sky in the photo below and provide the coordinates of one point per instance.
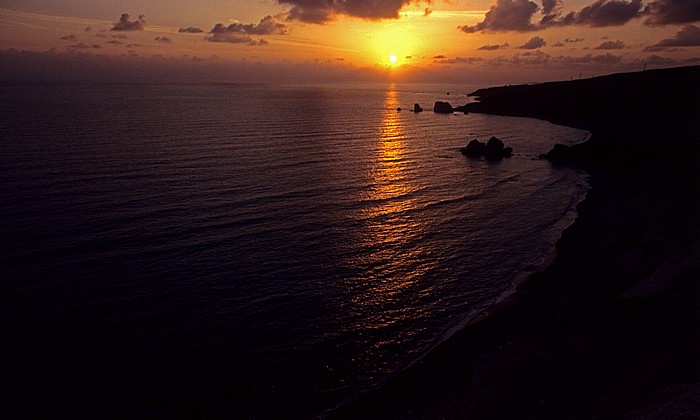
(473, 41)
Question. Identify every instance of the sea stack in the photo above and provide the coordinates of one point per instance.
(443, 108)
(494, 149)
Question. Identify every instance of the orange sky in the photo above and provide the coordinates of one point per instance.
(490, 40)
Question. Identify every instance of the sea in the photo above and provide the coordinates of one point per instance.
(254, 251)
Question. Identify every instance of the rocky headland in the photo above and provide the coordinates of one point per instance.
(610, 328)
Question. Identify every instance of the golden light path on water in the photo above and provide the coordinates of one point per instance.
(393, 259)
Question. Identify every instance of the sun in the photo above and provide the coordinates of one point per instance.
(393, 59)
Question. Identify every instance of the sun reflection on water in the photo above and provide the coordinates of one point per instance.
(393, 258)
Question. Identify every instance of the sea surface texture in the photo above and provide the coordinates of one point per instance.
(254, 250)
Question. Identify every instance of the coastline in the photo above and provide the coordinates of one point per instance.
(608, 328)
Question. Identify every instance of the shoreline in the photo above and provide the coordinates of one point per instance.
(506, 299)
(560, 344)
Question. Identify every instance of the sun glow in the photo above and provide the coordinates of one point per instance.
(393, 59)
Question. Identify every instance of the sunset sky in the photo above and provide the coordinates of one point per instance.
(306, 40)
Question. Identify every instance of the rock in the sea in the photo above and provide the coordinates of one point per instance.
(443, 108)
(494, 149)
(417, 108)
(398, 109)
(475, 148)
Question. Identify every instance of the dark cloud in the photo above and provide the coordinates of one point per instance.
(551, 6)
(427, 12)
(70, 37)
(191, 30)
(531, 58)
(573, 40)
(518, 15)
(590, 59)
(689, 36)
(459, 60)
(220, 33)
(409, 57)
(558, 44)
(439, 57)
(507, 15)
(134, 45)
(656, 60)
(534, 43)
(611, 45)
(604, 13)
(694, 60)
(320, 11)
(114, 41)
(259, 43)
(241, 33)
(126, 24)
(163, 39)
(88, 29)
(84, 46)
(493, 47)
(664, 12)
(551, 9)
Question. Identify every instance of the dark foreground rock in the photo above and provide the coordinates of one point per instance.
(494, 149)
(610, 329)
(443, 108)
(417, 108)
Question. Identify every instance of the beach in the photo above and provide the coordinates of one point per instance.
(610, 328)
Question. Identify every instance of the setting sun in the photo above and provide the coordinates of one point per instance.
(393, 59)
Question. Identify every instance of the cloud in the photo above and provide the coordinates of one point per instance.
(531, 58)
(551, 6)
(656, 60)
(88, 29)
(70, 37)
(590, 59)
(84, 46)
(126, 24)
(220, 34)
(506, 15)
(664, 12)
(573, 40)
(558, 44)
(460, 60)
(611, 45)
(191, 30)
(321, 11)
(492, 47)
(534, 43)
(439, 57)
(259, 43)
(164, 39)
(517, 15)
(604, 13)
(427, 12)
(240, 33)
(114, 41)
(688, 36)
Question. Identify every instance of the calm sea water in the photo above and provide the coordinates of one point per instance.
(253, 250)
